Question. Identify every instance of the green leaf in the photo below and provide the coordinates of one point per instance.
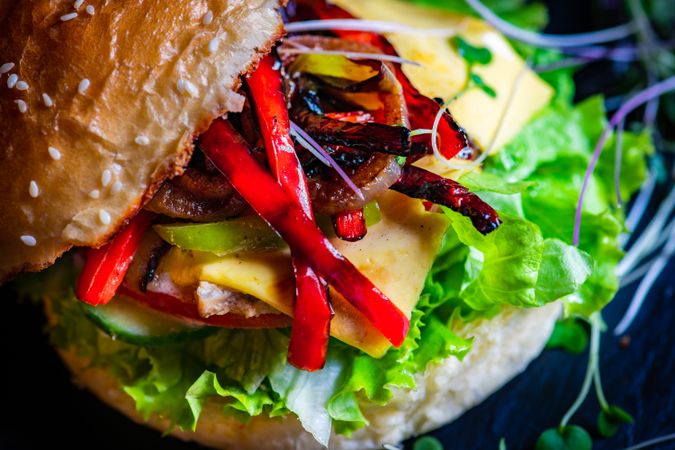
(571, 437)
(471, 53)
(570, 335)
(208, 385)
(514, 265)
(564, 138)
(162, 389)
(246, 357)
(563, 270)
(490, 182)
(427, 443)
(482, 85)
(611, 419)
(307, 393)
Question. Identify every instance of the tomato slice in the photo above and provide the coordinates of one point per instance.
(171, 305)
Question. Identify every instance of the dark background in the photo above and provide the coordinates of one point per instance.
(41, 408)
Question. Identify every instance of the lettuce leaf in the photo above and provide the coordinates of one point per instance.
(515, 265)
(307, 393)
(551, 154)
(247, 369)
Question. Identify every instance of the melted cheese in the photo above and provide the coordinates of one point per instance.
(395, 255)
(443, 72)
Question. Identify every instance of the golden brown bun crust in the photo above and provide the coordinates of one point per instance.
(131, 127)
(503, 347)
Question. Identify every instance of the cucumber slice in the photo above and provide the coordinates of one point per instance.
(131, 322)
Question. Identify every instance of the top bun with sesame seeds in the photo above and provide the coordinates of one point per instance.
(99, 103)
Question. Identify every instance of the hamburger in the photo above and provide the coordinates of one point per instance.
(218, 292)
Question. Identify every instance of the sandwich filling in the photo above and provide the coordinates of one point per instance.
(323, 245)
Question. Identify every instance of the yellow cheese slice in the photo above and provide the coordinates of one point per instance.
(443, 72)
(396, 255)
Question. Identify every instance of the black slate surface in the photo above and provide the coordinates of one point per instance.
(40, 408)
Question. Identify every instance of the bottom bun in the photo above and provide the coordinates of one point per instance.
(502, 348)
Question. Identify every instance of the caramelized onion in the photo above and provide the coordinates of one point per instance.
(331, 195)
(198, 197)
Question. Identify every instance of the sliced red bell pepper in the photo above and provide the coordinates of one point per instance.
(176, 307)
(351, 116)
(105, 267)
(230, 154)
(311, 330)
(350, 225)
(419, 183)
(422, 110)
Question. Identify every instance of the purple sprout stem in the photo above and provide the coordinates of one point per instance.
(549, 40)
(634, 102)
(617, 163)
(325, 156)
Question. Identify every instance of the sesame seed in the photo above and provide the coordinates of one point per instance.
(116, 187)
(54, 153)
(78, 4)
(90, 10)
(213, 45)
(23, 107)
(83, 86)
(22, 86)
(95, 193)
(191, 89)
(142, 140)
(104, 217)
(6, 67)
(208, 18)
(106, 177)
(33, 189)
(67, 17)
(116, 167)
(29, 240)
(187, 87)
(48, 100)
(12, 80)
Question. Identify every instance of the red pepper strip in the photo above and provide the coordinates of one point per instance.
(351, 116)
(230, 154)
(311, 330)
(350, 225)
(419, 183)
(188, 311)
(422, 110)
(105, 267)
(368, 136)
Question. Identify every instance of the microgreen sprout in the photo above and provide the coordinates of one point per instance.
(596, 323)
(427, 443)
(650, 442)
(633, 103)
(322, 155)
(646, 284)
(570, 335)
(618, 153)
(500, 124)
(547, 40)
